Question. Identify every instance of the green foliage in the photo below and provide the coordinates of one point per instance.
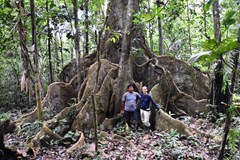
(229, 18)
(173, 133)
(234, 136)
(233, 110)
(31, 129)
(213, 50)
(208, 5)
(4, 117)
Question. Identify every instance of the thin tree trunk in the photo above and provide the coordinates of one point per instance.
(70, 21)
(86, 28)
(189, 29)
(36, 69)
(49, 47)
(76, 37)
(216, 20)
(61, 48)
(124, 72)
(160, 35)
(57, 55)
(150, 24)
(218, 96)
(228, 118)
(95, 91)
(205, 21)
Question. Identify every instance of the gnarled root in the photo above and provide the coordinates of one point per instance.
(109, 123)
(79, 144)
(166, 122)
(36, 144)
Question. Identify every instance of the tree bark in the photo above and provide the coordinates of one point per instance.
(76, 36)
(229, 118)
(61, 46)
(36, 69)
(150, 25)
(217, 94)
(124, 76)
(87, 29)
(115, 21)
(49, 47)
(216, 20)
(57, 67)
(160, 35)
(189, 29)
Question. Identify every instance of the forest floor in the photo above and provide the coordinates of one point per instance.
(149, 144)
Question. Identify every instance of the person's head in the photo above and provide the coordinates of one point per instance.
(130, 88)
(144, 89)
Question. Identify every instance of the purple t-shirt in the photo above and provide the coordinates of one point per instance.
(130, 100)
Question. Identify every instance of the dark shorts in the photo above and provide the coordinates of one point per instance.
(131, 114)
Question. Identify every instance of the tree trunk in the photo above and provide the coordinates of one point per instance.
(216, 20)
(115, 21)
(57, 67)
(76, 37)
(229, 118)
(124, 75)
(189, 29)
(150, 26)
(86, 28)
(205, 21)
(61, 47)
(36, 69)
(49, 47)
(160, 35)
(217, 94)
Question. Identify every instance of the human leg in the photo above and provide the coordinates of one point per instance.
(128, 116)
(135, 119)
(145, 115)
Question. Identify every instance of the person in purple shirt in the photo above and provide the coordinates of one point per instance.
(129, 106)
(146, 99)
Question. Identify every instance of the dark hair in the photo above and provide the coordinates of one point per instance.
(130, 85)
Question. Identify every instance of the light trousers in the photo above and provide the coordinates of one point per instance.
(145, 115)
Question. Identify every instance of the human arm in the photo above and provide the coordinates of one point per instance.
(123, 103)
(154, 103)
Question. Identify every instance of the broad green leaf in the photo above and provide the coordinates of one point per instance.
(228, 18)
(210, 45)
(227, 45)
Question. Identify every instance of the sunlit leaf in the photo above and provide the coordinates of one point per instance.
(228, 18)
(227, 45)
(209, 45)
(208, 5)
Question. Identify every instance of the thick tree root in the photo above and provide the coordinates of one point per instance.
(165, 122)
(36, 144)
(78, 145)
(109, 123)
(168, 94)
